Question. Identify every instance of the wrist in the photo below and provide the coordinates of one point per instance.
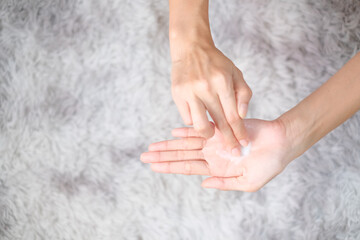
(189, 33)
(299, 131)
(189, 21)
(180, 47)
(188, 26)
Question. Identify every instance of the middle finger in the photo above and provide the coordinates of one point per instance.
(228, 103)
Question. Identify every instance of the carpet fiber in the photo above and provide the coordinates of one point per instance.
(85, 87)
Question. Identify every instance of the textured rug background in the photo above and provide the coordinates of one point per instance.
(85, 87)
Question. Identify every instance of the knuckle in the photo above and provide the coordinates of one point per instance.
(245, 92)
(250, 92)
(240, 73)
(202, 85)
(223, 83)
(176, 87)
(220, 76)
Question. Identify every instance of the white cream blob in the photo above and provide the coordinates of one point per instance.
(244, 152)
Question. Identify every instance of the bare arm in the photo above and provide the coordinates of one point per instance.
(188, 24)
(274, 144)
(325, 109)
(203, 78)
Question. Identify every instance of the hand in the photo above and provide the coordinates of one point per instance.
(204, 79)
(270, 152)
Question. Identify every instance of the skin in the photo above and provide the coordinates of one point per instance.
(265, 160)
(274, 144)
(203, 78)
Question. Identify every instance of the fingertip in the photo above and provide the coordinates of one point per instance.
(244, 142)
(142, 157)
(148, 157)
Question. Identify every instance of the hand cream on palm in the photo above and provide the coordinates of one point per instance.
(244, 152)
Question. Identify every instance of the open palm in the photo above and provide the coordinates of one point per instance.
(267, 156)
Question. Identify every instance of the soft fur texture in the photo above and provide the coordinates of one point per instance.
(85, 87)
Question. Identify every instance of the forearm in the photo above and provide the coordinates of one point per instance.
(188, 24)
(325, 109)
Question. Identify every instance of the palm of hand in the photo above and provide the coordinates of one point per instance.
(266, 158)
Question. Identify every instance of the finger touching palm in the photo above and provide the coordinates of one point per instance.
(249, 170)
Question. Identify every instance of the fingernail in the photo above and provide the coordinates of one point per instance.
(243, 107)
(236, 151)
(142, 157)
(244, 142)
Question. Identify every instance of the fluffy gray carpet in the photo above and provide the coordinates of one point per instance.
(85, 87)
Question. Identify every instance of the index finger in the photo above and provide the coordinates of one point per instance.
(228, 102)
